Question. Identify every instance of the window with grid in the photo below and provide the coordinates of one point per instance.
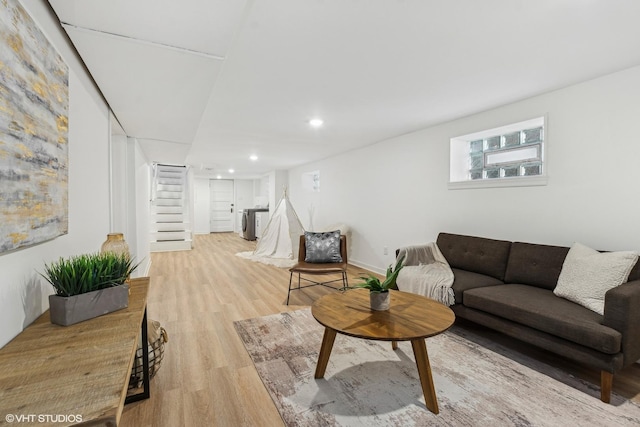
(505, 153)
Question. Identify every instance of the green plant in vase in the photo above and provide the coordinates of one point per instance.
(379, 289)
(88, 286)
(88, 272)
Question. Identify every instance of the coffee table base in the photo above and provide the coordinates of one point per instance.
(424, 370)
(419, 351)
(325, 351)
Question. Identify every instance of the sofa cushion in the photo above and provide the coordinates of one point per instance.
(541, 309)
(588, 274)
(465, 280)
(476, 254)
(536, 265)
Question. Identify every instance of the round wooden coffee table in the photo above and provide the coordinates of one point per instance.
(410, 318)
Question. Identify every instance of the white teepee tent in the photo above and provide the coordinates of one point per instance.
(280, 240)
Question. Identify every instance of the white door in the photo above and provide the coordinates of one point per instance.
(222, 209)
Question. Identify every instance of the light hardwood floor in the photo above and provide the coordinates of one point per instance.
(207, 377)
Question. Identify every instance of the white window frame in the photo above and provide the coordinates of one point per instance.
(311, 181)
(459, 157)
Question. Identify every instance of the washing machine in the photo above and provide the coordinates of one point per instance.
(249, 222)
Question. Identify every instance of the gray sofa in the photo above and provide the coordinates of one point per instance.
(508, 286)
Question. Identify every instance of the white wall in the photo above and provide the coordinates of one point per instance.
(130, 194)
(141, 174)
(276, 182)
(244, 190)
(119, 184)
(394, 193)
(201, 205)
(23, 293)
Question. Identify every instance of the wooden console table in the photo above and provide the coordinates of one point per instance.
(79, 372)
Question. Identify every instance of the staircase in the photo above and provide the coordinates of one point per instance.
(170, 227)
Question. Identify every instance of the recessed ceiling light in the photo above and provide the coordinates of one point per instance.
(231, 171)
(253, 157)
(316, 123)
(218, 176)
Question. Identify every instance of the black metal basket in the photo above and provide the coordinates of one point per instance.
(156, 354)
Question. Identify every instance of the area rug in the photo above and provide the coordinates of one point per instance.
(478, 382)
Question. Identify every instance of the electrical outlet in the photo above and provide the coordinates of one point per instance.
(385, 251)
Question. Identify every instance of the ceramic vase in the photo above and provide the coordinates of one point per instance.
(379, 300)
(115, 243)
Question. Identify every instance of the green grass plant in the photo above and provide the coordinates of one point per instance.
(88, 272)
(375, 285)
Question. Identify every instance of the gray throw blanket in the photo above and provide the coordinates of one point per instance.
(426, 272)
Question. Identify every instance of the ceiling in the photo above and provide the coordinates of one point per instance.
(211, 82)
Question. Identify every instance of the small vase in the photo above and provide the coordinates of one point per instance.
(115, 243)
(379, 300)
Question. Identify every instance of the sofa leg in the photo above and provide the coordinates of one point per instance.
(606, 383)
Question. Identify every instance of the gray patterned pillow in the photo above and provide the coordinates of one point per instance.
(322, 247)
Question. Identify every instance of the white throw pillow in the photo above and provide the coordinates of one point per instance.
(588, 274)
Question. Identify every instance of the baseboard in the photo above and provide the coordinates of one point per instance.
(367, 266)
(148, 269)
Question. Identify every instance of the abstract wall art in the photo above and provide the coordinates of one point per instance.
(34, 106)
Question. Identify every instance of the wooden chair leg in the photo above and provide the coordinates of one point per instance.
(606, 384)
